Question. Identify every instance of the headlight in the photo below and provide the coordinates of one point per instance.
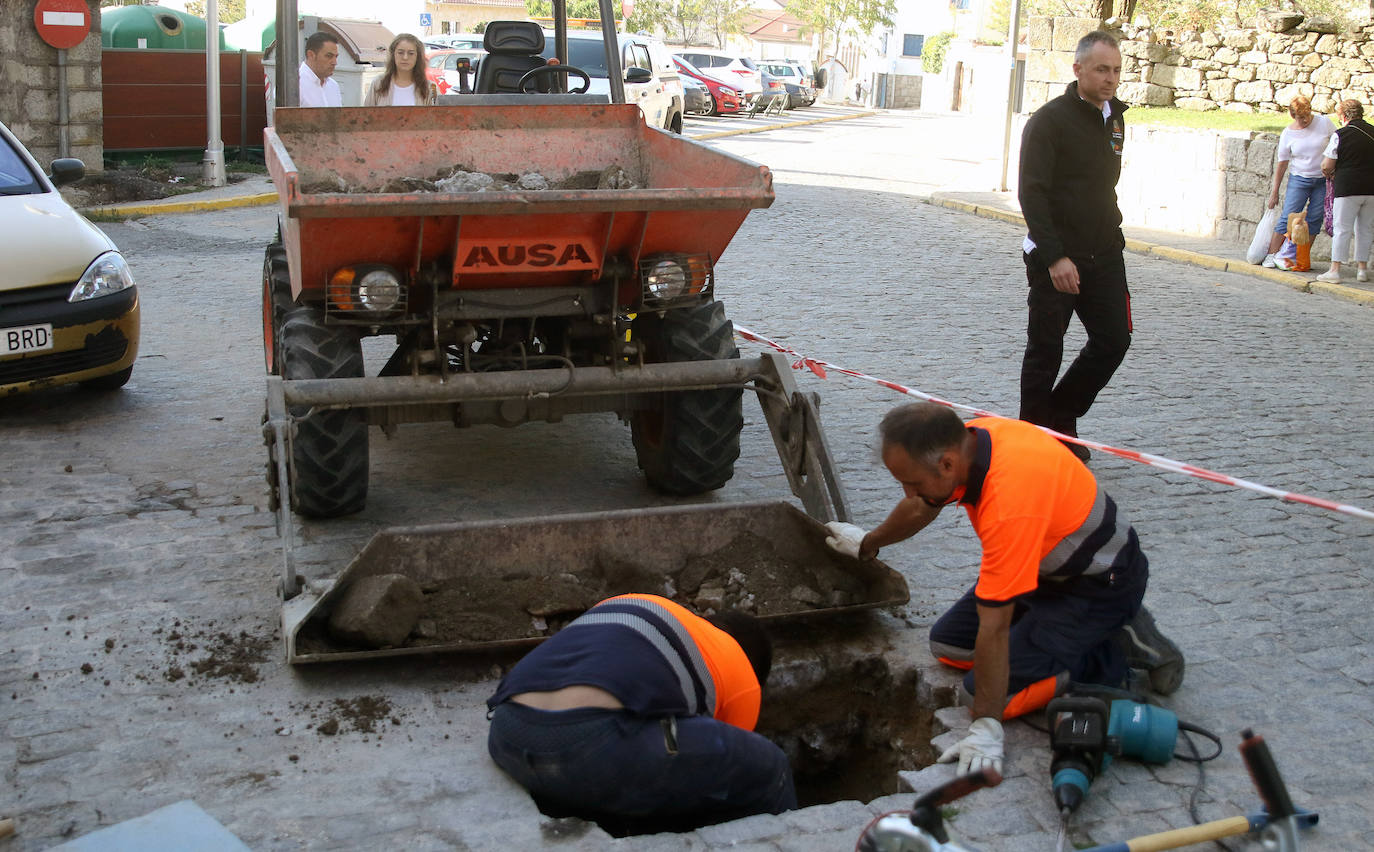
(379, 290)
(666, 279)
(365, 292)
(673, 277)
(729, 92)
(107, 274)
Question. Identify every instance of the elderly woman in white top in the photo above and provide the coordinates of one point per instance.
(1301, 145)
(1349, 162)
(404, 82)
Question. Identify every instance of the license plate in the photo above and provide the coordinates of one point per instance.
(25, 338)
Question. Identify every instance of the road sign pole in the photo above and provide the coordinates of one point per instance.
(212, 166)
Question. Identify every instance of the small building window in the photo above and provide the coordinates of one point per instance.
(446, 27)
(912, 44)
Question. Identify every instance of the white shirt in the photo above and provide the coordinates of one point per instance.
(317, 94)
(1303, 148)
(403, 95)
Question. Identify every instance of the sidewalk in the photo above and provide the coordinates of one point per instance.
(1182, 248)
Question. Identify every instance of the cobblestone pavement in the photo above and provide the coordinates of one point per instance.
(140, 663)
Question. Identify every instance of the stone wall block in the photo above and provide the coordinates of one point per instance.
(1331, 77)
(1053, 67)
(1254, 57)
(1262, 153)
(1239, 39)
(1176, 77)
(1221, 90)
(1145, 94)
(1195, 50)
(1226, 56)
(1244, 205)
(1246, 183)
(1255, 91)
(1277, 73)
(1236, 106)
(1354, 66)
(1285, 94)
(1210, 38)
(1040, 32)
(1312, 60)
(1232, 153)
(1195, 104)
(1242, 73)
(1157, 52)
(1067, 32)
(1283, 59)
(1327, 44)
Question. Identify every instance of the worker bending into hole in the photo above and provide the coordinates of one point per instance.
(1059, 590)
(640, 715)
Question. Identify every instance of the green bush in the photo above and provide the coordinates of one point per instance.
(933, 53)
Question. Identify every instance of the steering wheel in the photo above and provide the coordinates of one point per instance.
(555, 69)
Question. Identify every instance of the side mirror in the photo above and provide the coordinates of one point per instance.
(635, 74)
(67, 170)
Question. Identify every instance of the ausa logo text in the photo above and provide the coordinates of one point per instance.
(506, 257)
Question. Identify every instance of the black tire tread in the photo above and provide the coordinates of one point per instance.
(329, 453)
(690, 443)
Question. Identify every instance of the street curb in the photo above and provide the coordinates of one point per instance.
(1240, 267)
(768, 127)
(155, 208)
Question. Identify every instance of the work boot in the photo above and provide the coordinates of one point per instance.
(1146, 648)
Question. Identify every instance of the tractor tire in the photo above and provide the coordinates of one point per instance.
(276, 301)
(329, 452)
(687, 442)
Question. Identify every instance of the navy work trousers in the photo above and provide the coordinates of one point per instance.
(1060, 633)
(634, 775)
(1103, 305)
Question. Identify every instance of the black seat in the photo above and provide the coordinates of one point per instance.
(513, 49)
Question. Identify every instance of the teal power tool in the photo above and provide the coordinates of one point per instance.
(1086, 733)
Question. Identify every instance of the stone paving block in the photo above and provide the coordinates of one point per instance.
(821, 818)
(743, 830)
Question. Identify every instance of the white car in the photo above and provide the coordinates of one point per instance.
(727, 66)
(68, 305)
(651, 78)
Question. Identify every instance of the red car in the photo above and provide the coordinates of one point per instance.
(442, 68)
(724, 97)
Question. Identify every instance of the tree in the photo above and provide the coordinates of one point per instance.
(576, 9)
(229, 11)
(834, 19)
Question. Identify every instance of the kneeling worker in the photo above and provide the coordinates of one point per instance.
(640, 715)
(1059, 590)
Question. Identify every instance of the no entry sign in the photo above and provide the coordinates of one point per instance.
(62, 23)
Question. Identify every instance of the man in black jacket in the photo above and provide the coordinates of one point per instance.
(1070, 162)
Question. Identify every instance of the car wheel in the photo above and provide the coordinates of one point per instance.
(715, 107)
(675, 123)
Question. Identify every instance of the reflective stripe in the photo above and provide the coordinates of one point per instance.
(676, 646)
(1075, 554)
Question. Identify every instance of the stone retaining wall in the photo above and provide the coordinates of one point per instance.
(1244, 70)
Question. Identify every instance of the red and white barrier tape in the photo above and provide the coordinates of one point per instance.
(820, 368)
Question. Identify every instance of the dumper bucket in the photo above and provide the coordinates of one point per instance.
(490, 585)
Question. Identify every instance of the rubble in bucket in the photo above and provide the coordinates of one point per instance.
(461, 179)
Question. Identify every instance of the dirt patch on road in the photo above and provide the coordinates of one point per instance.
(212, 654)
(152, 183)
(366, 714)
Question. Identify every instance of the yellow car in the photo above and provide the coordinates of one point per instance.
(68, 304)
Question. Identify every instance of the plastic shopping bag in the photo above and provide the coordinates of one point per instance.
(1264, 231)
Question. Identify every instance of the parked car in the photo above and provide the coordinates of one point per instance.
(800, 92)
(696, 98)
(442, 67)
(774, 93)
(725, 97)
(460, 41)
(68, 305)
(651, 78)
(727, 66)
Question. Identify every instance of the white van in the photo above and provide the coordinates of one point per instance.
(651, 78)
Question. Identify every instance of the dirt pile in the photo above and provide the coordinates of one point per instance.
(366, 714)
(747, 574)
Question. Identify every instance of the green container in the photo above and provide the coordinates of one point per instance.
(152, 28)
(251, 34)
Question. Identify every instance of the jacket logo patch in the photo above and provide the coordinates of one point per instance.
(1118, 136)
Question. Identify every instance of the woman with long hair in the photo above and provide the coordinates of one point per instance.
(404, 83)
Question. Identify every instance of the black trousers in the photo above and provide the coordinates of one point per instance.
(1103, 305)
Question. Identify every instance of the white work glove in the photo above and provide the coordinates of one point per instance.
(981, 749)
(845, 538)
